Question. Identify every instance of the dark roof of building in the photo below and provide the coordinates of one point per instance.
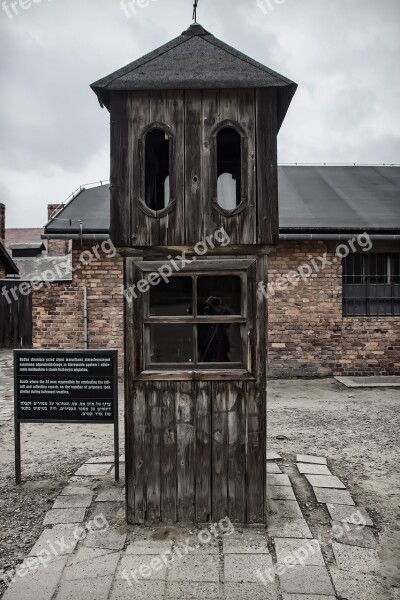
(310, 199)
(6, 260)
(45, 268)
(196, 60)
(28, 246)
(90, 207)
(336, 197)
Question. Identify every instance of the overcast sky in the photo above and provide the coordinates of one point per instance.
(344, 54)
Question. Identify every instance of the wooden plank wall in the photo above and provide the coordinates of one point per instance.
(267, 167)
(189, 459)
(15, 317)
(191, 117)
(196, 450)
(120, 171)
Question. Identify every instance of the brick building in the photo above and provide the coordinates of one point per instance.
(333, 280)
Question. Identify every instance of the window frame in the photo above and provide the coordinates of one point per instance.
(157, 214)
(229, 124)
(244, 268)
(370, 304)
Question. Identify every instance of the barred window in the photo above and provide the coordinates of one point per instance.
(371, 285)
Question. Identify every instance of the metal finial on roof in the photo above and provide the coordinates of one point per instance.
(195, 10)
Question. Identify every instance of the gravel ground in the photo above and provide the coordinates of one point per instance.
(357, 430)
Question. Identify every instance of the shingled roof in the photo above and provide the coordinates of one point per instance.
(196, 60)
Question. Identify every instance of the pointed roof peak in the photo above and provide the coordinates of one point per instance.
(195, 60)
(195, 29)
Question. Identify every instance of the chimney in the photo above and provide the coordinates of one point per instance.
(56, 247)
(2, 223)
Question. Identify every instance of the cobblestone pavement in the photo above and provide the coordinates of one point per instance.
(6, 385)
(319, 550)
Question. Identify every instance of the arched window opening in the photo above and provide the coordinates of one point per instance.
(229, 168)
(157, 194)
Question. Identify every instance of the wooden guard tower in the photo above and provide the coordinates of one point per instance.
(194, 129)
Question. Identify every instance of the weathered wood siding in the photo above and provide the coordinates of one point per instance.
(196, 449)
(267, 167)
(15, 315)
(192, 118)
(196, 452)
(195, 442)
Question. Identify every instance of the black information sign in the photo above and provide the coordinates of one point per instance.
(65, 386)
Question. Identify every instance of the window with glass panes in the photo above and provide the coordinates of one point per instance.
(197, 320)
(371, 285)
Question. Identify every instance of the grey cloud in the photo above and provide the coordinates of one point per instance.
(343, 53)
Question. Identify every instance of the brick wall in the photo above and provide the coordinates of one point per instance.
(308, 336)
(56, 247)
(58, 310)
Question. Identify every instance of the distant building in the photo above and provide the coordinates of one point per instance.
(38, 259)
(27, 265)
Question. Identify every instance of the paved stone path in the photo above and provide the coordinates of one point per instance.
(87, 552)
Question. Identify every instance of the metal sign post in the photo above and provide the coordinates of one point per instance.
(65, 386)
